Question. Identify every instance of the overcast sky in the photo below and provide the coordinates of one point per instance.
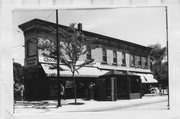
(144, 26)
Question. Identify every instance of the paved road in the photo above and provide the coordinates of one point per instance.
(147, 106)
(152, 106)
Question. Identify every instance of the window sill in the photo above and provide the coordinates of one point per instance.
(132, 65)
(123, 64)
(103, 62)
(114, 63)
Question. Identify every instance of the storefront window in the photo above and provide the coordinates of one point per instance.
(135, 85)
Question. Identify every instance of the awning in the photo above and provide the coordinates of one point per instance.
(147, 78)
(65, 71)
(119, 73)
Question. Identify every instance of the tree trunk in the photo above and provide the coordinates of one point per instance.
(75, 91)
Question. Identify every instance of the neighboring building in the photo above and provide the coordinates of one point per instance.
(117, 64)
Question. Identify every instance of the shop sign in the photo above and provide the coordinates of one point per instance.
(31, 61)
(47, 59)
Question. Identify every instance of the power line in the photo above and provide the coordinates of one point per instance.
(18, 46)
(49, 15)
(18, 49)
(17, 59)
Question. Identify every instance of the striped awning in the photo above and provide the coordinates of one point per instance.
(66, 72)
(147, 78)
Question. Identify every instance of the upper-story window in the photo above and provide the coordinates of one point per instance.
(104, 55)
(132, 60)
(123, 58)
(115, 57)
(140, 61)
(88, 54)
(31, 47)
(137, 61)
(146, 62)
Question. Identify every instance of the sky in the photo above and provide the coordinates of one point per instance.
(143, 25)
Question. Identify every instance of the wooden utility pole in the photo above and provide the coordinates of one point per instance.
(166, 9)
(58, 71)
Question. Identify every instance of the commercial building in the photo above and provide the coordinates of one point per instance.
(120, 69)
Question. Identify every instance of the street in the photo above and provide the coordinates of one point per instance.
(49, 106)
(152, 106)
(159, 105)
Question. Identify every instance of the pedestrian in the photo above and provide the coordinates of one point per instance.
(91, 90)
(62, 91)
(160, 89)
(22, 92)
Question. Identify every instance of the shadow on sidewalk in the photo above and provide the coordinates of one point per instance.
(37, 104)
(78, 103)
(42, 104)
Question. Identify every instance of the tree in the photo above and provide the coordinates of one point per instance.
(157, 53)
(18, 79)
(72, 46)
(159, 68)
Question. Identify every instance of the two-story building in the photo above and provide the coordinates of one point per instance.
(120, 69)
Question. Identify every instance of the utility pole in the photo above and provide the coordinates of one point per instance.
(58, 71)
(166, 9)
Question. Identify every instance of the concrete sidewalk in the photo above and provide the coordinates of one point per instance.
(49, 106)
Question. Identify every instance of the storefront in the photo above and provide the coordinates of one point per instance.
(85, 80)
(148, 82)
(118, 85)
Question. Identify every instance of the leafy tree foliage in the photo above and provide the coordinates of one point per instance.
(71, 47)
(18, 79)
(18, 73)
(159, 68)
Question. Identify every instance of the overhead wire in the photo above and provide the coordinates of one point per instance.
(49, 15)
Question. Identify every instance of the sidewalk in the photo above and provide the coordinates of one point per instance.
(49, 106)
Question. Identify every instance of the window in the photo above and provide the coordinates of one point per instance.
(132, 58)
(104, 55)
(31, 47)
(123, 58)
(146, 61)
(88, 55)
(140, 61)
(137, 61)
(115, 57)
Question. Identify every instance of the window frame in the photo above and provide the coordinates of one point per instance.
(132, 60)
(140, 61)
(88, 53)
(28, 43)
(123, 59)
(114, 57)
(104, 55)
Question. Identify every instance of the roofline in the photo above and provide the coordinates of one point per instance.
(37, 21)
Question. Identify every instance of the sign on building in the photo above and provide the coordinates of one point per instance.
(31, 61)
